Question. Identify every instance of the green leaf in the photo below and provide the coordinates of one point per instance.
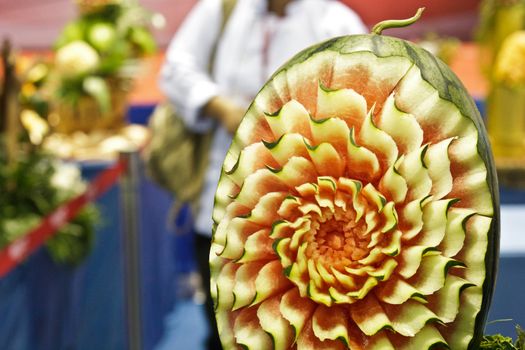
(520, 342)
(497, 342)
(500, 342)
(143, 39)
(28, 195)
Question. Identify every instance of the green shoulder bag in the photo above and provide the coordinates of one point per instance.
(176, 157)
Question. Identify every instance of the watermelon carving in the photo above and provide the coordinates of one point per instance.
(357, 207)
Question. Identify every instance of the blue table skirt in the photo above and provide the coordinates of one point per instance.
(507, 309)
(44, 306)
(15, 322)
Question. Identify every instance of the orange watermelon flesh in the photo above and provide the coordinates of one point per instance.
(356, 210)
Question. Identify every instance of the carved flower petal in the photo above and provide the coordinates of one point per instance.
(402, 127)
(296, 309)
(362, 162)
(415, 172)
(378, 141)
(258, 246)
(257, 185)
(307, 340)
(273, 323)
(270, 280)
(454, 240)
(254, 157)
(292, 118)
(244, 290)
(248, 331)
(445, 302)
(409, 318)
(393, 185)
(432, 272)
(330, 323)
(369, 316)
(345, 104)
(238, 230)
(397, 291)
(429, 337)
(286, 147)
(331, 130)
(438, 165)
(327, 160)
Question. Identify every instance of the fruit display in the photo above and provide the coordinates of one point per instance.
(96, 59)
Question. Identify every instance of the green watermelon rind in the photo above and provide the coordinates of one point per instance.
(449, 87)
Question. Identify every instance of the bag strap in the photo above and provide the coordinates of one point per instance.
(227, 9)
(205, 139)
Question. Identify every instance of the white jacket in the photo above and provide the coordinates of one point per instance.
(253, 45)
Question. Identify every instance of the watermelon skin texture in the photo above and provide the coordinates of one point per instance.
(449, 88)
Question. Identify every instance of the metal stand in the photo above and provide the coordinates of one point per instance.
(131, 243)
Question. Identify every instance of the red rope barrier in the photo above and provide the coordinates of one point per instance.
(18, 250)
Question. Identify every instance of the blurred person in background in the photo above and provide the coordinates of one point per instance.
(258, 37)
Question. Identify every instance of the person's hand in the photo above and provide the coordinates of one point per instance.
(228, 113)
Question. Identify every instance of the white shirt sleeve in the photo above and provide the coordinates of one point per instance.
(184, 76)
(339, 19)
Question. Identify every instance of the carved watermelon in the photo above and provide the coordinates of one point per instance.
(357, 207)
